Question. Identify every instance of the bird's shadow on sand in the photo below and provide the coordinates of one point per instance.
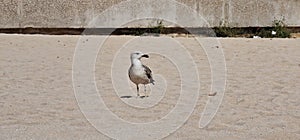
(126, 96)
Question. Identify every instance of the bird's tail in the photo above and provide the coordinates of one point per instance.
(152, 81)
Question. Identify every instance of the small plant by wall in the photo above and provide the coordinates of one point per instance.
(278, 30)
(281, 29)
(156, 29)
(224, 30)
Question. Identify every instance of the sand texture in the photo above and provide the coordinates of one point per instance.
(37, 100)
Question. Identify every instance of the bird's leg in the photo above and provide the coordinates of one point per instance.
(137, 88)
(145, 90)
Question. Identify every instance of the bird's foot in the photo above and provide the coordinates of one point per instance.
(142, 97)
(212, 94)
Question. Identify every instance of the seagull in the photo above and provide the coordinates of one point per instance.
(139, 73)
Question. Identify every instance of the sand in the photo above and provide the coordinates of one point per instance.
(261, 98)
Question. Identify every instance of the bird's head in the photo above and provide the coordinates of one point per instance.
(138, 55)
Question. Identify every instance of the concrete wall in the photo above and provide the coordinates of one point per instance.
(79, 13)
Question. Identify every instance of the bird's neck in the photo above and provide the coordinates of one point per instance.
(136, 62)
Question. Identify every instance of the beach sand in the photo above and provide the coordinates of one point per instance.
(261, 99)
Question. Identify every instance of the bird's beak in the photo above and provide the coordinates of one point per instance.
(145, 55)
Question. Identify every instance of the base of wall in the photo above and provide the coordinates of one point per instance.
(211, 32)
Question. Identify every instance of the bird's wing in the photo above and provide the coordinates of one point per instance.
(148, 73)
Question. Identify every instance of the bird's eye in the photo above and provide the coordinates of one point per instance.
(137, 53)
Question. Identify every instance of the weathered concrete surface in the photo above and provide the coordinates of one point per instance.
(79, 13)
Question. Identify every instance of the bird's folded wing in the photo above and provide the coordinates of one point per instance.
(149, 74)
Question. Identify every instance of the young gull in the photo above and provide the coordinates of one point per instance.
(139, 73)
